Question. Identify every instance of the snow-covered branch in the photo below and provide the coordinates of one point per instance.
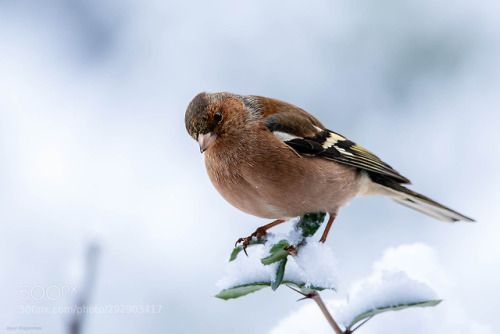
(308, 266)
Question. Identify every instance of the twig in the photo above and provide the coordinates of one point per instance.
(317, 298)
(361, 324)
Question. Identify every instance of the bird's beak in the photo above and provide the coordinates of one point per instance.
(206, 140)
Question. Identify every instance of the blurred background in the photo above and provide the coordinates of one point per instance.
(104, 196)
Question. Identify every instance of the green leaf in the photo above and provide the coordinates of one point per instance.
(376, 311)
(310, 223)
(279, 246)
(280, 272)
(241, 290)
(238, 249)
(309, 289)
(245, 289)
(278, 253)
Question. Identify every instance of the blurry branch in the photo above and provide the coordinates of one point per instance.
(76, 323)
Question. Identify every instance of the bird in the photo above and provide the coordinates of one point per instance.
(274, 160)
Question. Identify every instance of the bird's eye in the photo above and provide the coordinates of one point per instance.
(218, 117)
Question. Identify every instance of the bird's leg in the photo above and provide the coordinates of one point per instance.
(259, 233)
(328, 226)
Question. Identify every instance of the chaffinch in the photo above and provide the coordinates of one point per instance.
(274, 160)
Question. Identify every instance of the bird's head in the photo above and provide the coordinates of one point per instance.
(210, 116)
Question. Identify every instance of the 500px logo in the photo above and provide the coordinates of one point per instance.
(51, 292)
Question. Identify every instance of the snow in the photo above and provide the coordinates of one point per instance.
(383, 290)
(317, 262)
(315, 265)
(245, 270)
(420, 262)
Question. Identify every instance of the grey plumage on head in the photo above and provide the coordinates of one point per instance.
(252, 105)
(196, 118)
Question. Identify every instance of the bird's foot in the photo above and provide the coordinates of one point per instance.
(258, 234)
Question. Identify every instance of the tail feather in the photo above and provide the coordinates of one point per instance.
(418, 202)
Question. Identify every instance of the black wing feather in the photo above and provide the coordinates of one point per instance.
(344, 151)
(305, 146)
(337, 148)
(309, 137)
